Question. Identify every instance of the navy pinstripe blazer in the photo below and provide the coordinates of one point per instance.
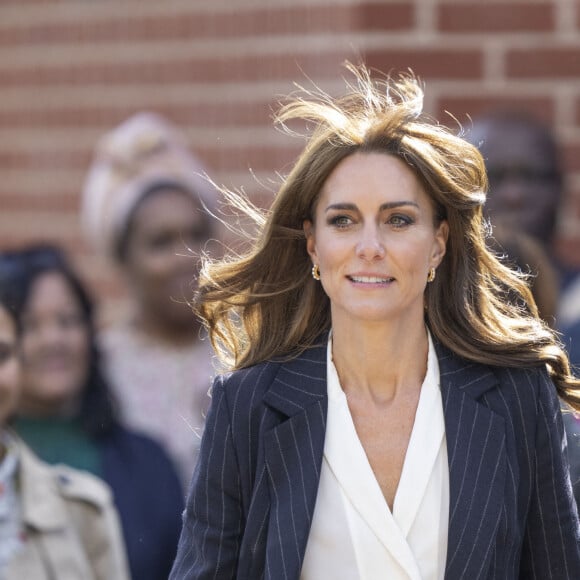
(250, 506)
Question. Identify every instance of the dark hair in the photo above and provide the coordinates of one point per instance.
(5, 305)
(508, 121)
(7, 291)
(517, 119)
(19, 271)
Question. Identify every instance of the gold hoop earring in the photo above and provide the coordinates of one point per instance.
(316, 272)
(431, 275)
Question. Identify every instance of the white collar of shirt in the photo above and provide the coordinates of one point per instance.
(352, 517)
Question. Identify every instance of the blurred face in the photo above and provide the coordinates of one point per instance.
(9, 366)
(374, 240)
(168, 232)
(55, 347)
(524, 190)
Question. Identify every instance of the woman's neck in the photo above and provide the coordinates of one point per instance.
(380, 360)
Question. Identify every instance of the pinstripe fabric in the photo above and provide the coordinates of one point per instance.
(250, 506)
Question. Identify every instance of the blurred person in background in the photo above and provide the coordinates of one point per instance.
(147, 206)
(523, 168)
(526, 187)
(66, 414)
(55, 521)
(525, 192)
(524, 253)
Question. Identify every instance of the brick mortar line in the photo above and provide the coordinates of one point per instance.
(264, 93)
(97, 95)
(155, 52)
(281, 43)
(41, 140)
(21, 182)
(75, 13)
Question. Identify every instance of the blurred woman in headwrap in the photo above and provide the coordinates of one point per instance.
(147, 206)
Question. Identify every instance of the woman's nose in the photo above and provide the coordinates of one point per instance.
(370, 245)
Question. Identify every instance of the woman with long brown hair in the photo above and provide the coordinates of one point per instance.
(393, 406)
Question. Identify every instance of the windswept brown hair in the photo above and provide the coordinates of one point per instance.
(265, 303)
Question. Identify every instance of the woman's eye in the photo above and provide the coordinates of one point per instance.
(340, 221)
(400, 220)
(160, 242)
(71, 320)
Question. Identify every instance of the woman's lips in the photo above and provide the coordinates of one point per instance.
(363, 279)
(54, 363)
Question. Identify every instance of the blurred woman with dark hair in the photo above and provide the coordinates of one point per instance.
(55, 521)
(67, 415)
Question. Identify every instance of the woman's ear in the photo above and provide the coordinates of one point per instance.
(308, 228)
(441, 237)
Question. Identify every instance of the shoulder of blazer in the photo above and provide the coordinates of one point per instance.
(476, 379)
(286, 385)
(256, 378)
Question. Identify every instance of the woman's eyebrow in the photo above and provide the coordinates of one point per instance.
(384, 206)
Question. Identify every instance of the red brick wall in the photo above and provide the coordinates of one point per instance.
(71, 69)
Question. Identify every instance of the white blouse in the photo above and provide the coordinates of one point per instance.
(354, 535)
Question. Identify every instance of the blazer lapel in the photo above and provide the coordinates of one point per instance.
(293, 453)
(477, 465)
(294, 450)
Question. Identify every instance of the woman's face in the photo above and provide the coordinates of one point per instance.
(9, 366)
(168, 232)
(55, 346)
(374, 239)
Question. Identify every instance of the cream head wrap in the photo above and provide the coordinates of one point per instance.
(144, 151)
